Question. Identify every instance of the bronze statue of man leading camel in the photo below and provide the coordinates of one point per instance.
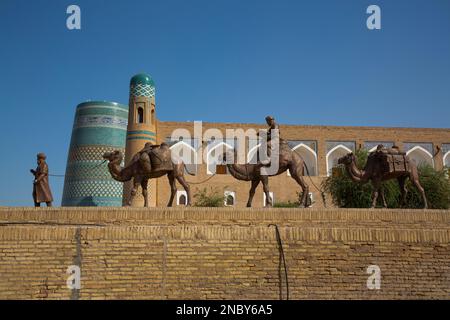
(154, 161)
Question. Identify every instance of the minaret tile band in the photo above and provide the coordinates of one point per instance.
(142, 90)
(99, 127)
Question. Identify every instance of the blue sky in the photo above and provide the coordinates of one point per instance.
(306, 62)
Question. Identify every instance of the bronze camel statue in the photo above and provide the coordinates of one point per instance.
(141, 172)
(375, 172)
(288, 159)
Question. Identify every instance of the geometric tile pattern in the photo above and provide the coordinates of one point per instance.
(90, 179)
(86, 176)
(102, 121)
(142, 90)
(98, 136)
(87, 170)
(98, 128)
(93, 188)
(89, 153)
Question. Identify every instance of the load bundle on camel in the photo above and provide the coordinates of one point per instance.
(153, 161)
(391, 160)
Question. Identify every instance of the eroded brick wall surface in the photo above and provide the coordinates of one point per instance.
(223, 253)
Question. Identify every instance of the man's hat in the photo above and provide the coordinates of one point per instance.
(269, 118)
(41, 155)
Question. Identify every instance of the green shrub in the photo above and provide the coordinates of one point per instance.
(211, 198)
(437, 189)
(347, 194)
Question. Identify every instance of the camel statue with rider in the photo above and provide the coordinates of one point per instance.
(286, 159)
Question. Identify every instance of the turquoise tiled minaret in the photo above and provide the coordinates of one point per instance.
(141, 130)
(99, 127)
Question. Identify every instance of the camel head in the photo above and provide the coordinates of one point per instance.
(347, 159)
(113, 157)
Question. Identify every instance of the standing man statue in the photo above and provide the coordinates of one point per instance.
(41, 187)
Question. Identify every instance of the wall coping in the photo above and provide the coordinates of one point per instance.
(125, 215)
(226, 224)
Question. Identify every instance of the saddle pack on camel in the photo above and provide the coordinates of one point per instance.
(160, 159)
(391, 160)
(155, 158)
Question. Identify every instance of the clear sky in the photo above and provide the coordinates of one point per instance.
(305, 62)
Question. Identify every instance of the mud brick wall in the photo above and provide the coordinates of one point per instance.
(284, 188)
(223, 253)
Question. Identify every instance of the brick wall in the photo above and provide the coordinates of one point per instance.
(222, 253)
(283, 187)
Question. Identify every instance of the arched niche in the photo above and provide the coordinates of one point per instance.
(229, 198)
(186, 153)
(446, 159)
(333, 156)
(309, 156)
(213, 156)
(420, 156)
(181, 197)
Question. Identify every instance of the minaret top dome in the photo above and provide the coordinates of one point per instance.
(142, 78)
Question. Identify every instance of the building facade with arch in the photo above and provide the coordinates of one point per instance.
(319, 146)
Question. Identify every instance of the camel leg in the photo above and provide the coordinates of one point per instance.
(376, 189)
(265, 182)
(173, 188)
(403, 190)
(383, 197)
(296, 174)
(252, 192)
(144, 185)
(415, 181)
(136, 183)
(186, 187)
